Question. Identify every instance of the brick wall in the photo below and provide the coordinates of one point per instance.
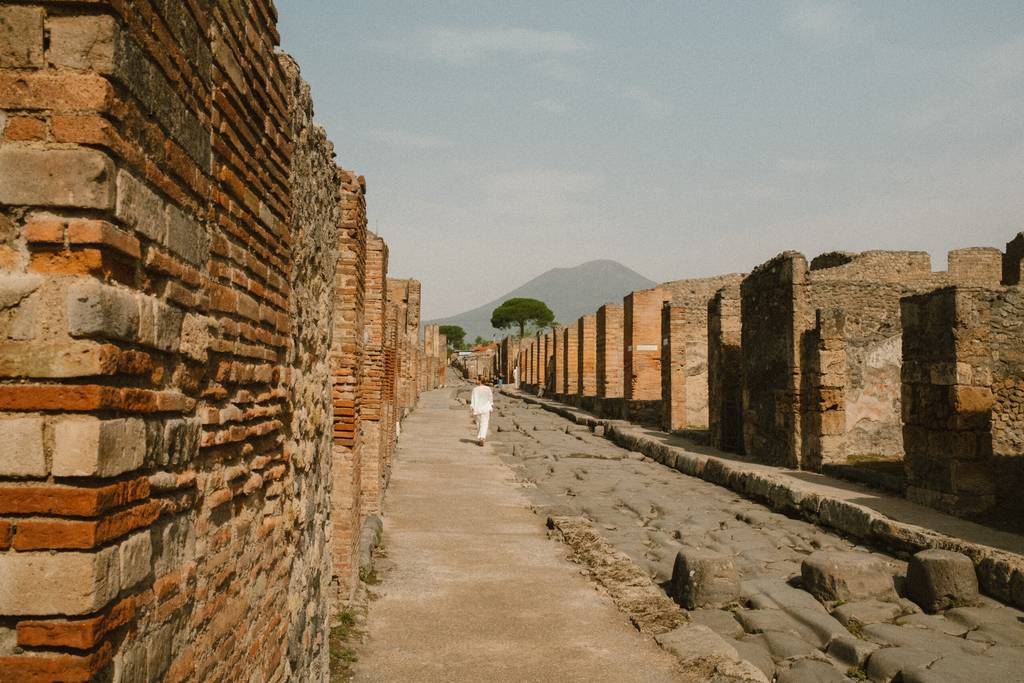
(556, 362)
(609, 356)
(586, 363)
(570, 360)
(181, 319)
(641, 364)
(725, 376)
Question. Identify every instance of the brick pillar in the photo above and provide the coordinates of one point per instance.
(609, 356)
(372, 373)
(557, 361)
(673, 367)
(641, 318)
(570, 360)
(586, 331)
(725, 380)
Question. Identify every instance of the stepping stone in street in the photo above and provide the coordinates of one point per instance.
(704, 578)
(831, 575)
(940, 579)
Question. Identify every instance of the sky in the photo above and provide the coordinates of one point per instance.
(682, 139)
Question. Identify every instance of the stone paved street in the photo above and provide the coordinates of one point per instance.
(651, 513)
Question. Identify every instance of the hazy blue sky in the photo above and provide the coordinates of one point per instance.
(500, 139)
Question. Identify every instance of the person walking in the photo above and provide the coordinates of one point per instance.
(482, 403)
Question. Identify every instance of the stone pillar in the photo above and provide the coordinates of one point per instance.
(673, 368)
(642, 355)
(586, 342)
(1013, 260)
(725, 381)
(823, 418)
(557, 362)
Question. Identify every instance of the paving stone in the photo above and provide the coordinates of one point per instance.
(834, 575)
(934, 622)
(754, 650)
(851, 651)
(811, 671)
(866, 612)
(784, 645)
(693, 641)
(885, 664)
(813, 626)
(775, 593)
(720, 621)
(939, 579)
(703, 578)
(1000, 667)
(920, 639)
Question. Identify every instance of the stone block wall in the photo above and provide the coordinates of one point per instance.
(673, 368)
(1013, 260)
(963, 398)
(725, 374)
(976, 266)
(586, 363)
(691, 298)
(182, 281)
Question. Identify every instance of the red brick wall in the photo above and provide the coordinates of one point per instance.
(673, 367)
(586, 342)
(570, 360)
(609, 351)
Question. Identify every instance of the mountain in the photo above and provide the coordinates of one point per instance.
(569, 292)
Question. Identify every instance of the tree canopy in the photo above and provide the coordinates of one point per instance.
(455, 334)
(520, 311)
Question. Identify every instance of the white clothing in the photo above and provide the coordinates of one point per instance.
(515, 376)
(482, 400)
(482, 421)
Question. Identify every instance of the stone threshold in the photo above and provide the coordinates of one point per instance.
(880, 520)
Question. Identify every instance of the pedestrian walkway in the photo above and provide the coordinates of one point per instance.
(478, 592)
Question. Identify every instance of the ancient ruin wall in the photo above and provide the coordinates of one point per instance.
(168, 225)
(725, 379)
(609, 360)
(347, 355)
(770, 343)
(557, 362)
(673, 368)
(570, 360)
(1013, 260)
(373, 375)
(586, 364)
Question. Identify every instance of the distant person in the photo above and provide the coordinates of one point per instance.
(481, 403)
(515, 377)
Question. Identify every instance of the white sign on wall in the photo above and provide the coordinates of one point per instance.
(646, 347)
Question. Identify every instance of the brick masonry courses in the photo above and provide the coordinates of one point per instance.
(181, 313)
(641, 361)
(586, 359)
(608, 361)
(570, 360)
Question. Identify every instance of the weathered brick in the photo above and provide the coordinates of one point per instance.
(21, 36)
(88, 446)
(140, 208)
(56, 177)
(21, 454)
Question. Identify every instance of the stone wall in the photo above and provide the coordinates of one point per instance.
(725, 375)
(690, 298)
(964, 398)
(182, 280)
(673, 368)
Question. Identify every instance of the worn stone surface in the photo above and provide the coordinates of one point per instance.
(940, 579)
(846, 576)
(703, 578)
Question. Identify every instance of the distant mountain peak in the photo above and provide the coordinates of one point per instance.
(570, 291)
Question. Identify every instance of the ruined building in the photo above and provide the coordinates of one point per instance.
(200, 378)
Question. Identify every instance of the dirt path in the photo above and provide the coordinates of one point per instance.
(476, 590)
